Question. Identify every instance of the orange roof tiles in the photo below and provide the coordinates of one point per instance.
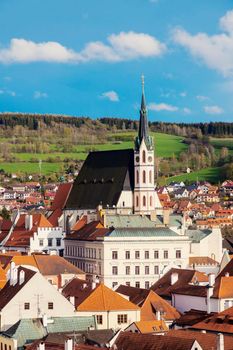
(223, 287)
(104, 299)
(80, 223)
(151, 326)
(202, 260)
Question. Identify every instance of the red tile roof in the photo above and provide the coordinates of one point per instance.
(61, 196)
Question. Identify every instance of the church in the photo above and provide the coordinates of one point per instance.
(120, 181)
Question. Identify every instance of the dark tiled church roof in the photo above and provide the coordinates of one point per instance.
(102, 178)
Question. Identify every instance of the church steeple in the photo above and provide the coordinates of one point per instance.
(143, 133)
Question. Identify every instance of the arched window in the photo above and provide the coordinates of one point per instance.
(137, 176)
(150, 176)
(151, 201)
(144, 176)
(137, 201)
(144, 201)
(144, 156)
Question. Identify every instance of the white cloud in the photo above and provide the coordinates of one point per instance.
(111, 96)
(216, 51)
(7, 92)
(120, 47)
(202, 98)
(39, 94)
(187, 110)
(162, 107)
(213, 110)
(183, 94)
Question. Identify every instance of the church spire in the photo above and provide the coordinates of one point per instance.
(143, 132)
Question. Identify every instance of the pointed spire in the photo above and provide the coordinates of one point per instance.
(143, 124)
(143, 132)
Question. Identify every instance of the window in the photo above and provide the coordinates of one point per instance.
(156, 254)
(137, 176)
(156, 270)
(58, 241)
(178, 254)
(114, 284)
(151, 201)
(137, 202)
(137, 254)
(115, 270)
(147, 270)
(123, 204)
(144, 156)
(137, 270)
(144, 176)
(127, 284)
(147, 254)
(41, 242)
(127, 254)
(50, 242)
(144, 201)
(127, 270)
(26, 306)
(122, 318)
(99, 319)
(114, 255)
(165, 254)
(50, 305)
(147, 284)
(137, 284)
(150, 177)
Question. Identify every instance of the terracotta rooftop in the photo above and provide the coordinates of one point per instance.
(90, 232)
(191, 317)
(151, 326)
(133, 341)
(207, 341)
(164, 288)
(228, 269)
(103, 298)
(202, 260)
(61, 196)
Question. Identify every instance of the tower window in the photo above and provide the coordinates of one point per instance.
(137, 201)
(144, 176)
(151, 201)
(144, 156)
(144, 201)
(137, 176)
(150, 177)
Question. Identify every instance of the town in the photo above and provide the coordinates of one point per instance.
(112, 260)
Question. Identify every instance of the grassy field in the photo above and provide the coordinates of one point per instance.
(31, 168)
(165, 146)
(224, 142)
(212, 175)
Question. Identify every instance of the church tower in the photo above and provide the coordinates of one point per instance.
(144, 186)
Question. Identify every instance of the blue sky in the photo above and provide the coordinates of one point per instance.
(85, 57)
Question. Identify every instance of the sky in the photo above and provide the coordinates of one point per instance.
(86, 58)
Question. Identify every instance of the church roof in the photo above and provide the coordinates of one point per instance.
(102, 178)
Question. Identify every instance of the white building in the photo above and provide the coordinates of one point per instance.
(29, 295)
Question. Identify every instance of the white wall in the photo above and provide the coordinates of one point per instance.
(38, 292)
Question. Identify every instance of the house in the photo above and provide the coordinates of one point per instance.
(152, 306)
(110, 309)
(214, 223)
(132, 341)
(217, 323)
(148, 327)
(176, 278)
(54, 268)
(204, 264)
(27, 294)
(190, 318)
(34, 233)
(181, 193)
(214, 297)
(28, 330)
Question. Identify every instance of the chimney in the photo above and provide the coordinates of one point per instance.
(69, 344)
(15, 276)
(28, 222)
(72, 300)
(45, 320)
(12, 266)
(166, 217)
(174, 278)
(220, 341)
(21, 277)
(41, 346)
(158, 315)
(211, 279)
